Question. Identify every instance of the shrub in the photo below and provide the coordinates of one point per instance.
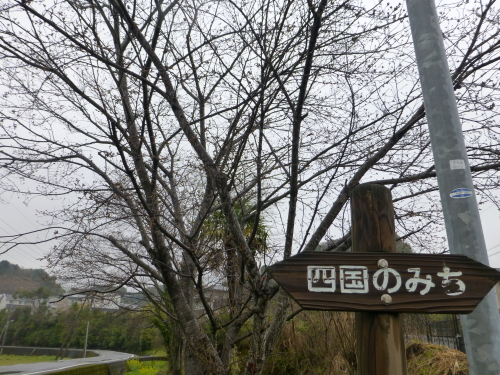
(136, 367)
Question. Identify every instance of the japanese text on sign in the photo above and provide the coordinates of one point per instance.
(355, 279)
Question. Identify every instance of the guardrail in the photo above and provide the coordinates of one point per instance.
(111, 368)
(117, 367)
(25, 350)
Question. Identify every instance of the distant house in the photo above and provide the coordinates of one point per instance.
(13, 285)
(134, 300)
(7, 301)
(10, 285)
(216, 297)
(10, 302)
(110, 302)
(64, 304)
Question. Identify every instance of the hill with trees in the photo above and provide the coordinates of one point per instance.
(16, 279)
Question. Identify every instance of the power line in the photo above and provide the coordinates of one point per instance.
(18, 210)
(32, 258)
(36, 249)
(495, 253)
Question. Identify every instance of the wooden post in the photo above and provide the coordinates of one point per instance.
(380, 343)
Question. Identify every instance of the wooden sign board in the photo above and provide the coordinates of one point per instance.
(385, 282)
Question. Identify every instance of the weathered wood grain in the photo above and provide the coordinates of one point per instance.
(478, 278)
(380, 345)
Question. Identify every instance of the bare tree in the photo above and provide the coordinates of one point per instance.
(197, 141)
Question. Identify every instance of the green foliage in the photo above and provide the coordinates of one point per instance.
(215, 227)
(8, 359)
(164, 325)
(38, 294)
(122, 330)
(136, 367)
(6, 266)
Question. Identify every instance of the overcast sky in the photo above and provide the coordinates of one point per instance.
(17, 217)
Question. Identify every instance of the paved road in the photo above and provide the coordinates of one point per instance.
(105, 356)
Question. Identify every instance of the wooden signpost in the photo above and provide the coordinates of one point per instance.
(378, 283)
(392, 282)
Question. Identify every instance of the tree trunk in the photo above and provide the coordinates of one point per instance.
(256, 357)
(273, 333)
(192, 364)
(177, 348)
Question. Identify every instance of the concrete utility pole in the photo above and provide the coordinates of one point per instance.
(461, 214)
(87, 330)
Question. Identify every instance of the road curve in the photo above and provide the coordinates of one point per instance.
(104, 356)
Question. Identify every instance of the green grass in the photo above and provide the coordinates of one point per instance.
(136, 367)
(7, 359)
